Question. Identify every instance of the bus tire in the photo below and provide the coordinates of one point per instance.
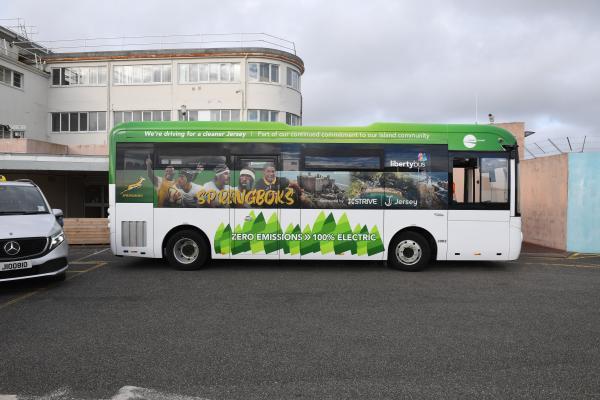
(409, 251)
(187, 250)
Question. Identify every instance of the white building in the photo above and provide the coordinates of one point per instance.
(56, 109)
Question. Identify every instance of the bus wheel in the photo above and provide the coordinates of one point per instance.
(187, 250)
(410, 251)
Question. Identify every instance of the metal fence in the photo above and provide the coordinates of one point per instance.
(553, 146)
(19, 46)
(147, 42)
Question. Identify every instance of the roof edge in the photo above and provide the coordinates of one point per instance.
(157, 54)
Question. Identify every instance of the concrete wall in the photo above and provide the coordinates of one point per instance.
(518, 131)
(30, 146)
(544, 198)
(27, 105)
(583, 227)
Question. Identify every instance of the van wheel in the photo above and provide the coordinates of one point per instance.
(410, 251)
(187, 250)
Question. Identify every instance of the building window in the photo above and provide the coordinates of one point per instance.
(10, 77)
(224, 115)
(209, 72)
(210, 115)
(263, 115)
(263, 72)
(88, 121)
(293, 78)
(17, 79)
(141, 74)
(79, 76)
(292, 119)
(143, 115)
(5, 132)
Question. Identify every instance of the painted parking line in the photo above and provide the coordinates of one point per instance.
(20, 298)
(529, 256)
(81, 272)
(565, 265)
(90, 255)
(579, 256)
(97, 264)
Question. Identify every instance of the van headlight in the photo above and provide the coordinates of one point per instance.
(56, 239)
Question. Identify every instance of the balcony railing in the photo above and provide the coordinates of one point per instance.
(153, 42)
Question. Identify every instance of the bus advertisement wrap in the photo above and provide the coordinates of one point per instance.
(405, 183)
(261, 236)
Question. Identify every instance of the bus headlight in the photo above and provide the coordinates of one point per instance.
(56, 239)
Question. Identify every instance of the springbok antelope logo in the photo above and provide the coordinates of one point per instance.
(133, 186)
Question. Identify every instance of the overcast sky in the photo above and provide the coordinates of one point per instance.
(406, 61)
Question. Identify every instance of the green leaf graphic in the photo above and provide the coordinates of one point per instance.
(375, 246)
(258, 226)
(328, 228)
(295, 244)
(226, 240)
(356, 230)
(240, 246)
(218, 235)
(286, 243)
(272, 228)
(308, 245)
(361, 245)
(318, 225)
(343, 227)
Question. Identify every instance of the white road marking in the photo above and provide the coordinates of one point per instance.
(133, 392)
(93, 254)
(125, 393)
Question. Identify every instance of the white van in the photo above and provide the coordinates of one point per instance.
(32, 241)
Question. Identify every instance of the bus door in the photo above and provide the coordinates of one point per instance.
(254, 201)
(479, 206)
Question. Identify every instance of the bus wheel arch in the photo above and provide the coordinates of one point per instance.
(185, 237)
(413, 238)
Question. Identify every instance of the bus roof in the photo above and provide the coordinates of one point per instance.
(456, 136)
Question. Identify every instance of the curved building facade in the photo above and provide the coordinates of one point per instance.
(89, 93)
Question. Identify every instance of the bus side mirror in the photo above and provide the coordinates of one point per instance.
(58, 214)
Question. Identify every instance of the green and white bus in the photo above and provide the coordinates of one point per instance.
(401, 193)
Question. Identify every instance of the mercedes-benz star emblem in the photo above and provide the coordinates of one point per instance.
(11, 248)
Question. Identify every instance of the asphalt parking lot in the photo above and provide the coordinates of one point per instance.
(134, 328)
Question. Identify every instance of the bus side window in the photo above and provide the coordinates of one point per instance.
(480, 182)
(131, 179)
(494, 180)
(190, 175)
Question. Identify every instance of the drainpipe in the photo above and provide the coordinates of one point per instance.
(244, 100)
(109, 119)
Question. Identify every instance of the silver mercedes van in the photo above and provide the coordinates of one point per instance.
(32, 241)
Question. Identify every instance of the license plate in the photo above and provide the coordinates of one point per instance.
(11, 266)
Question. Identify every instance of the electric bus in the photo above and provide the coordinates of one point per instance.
(405, 194)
